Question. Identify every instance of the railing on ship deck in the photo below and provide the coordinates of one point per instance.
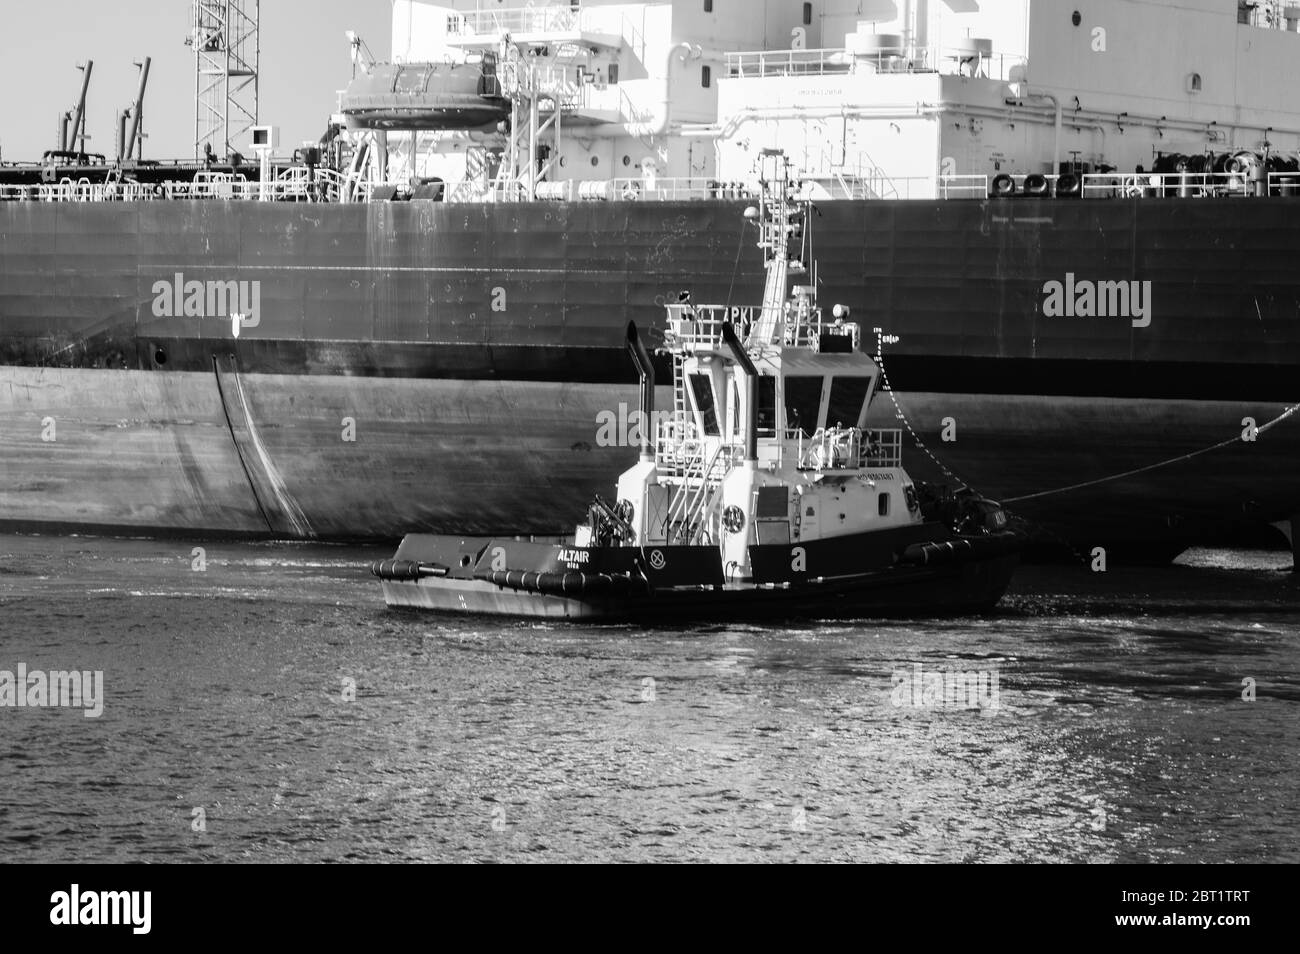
(827, 183)
(948, 61)
(515, 20)
(1188, 185)
(680, 449)
(699, 327)
(294, 188)
(846, 448)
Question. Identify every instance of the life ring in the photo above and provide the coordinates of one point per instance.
(733, 519)
(158, 190)
(631, 192)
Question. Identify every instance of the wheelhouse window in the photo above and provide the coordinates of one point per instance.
(848, 401)
(766, 406)
(803, 403)
(702, 395)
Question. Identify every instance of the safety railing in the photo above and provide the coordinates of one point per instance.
(551, 19)
(963, 187)
(295, 188)
(699, 327)
(761, 64)
(1186, 185)
(846, 448)
(953, 61)
(677, 189)
(327, 186)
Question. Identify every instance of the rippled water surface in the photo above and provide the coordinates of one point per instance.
(1120, 732)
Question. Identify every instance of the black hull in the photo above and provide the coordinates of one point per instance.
(968, 588)
(473, 347)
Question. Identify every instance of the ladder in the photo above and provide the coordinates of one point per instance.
(697, 496)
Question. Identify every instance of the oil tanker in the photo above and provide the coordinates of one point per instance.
(1071, 233)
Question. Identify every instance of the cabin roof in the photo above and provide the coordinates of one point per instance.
(800, 361)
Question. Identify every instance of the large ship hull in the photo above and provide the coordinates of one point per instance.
(454, 368)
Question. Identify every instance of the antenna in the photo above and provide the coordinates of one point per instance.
(226, 41)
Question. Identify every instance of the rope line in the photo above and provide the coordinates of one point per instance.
(889, 389)
(1164, 463)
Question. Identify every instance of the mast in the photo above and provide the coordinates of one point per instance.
(778, 221)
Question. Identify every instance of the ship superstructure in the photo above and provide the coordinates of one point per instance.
(921, 99)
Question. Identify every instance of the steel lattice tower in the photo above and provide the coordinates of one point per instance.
(227, 48)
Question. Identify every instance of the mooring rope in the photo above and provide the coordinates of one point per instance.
(948, 473)
(884, 377)
(1164, 463)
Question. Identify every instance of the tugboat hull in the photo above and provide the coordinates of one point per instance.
(927, 575)
(968, 588)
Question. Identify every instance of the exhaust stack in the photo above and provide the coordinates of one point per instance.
(751, 391)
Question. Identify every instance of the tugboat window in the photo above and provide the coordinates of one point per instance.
(803, 402)
(848, 397)
(702, 392)
(766, 406)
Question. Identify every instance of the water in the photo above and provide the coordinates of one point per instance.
(1120, 733)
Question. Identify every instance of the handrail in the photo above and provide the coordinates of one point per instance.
(944, 60)
(847, 448)
(328, 186)
(694, 500)
(699, 327)
(1188, 184)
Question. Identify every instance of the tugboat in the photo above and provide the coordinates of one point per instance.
(761, 494)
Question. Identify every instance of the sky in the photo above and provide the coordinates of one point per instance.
(305, 60)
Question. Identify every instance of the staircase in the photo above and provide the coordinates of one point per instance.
(698, 495)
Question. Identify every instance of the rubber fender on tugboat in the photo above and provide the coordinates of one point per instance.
(572, 583)
(962, 549)
(406, 571)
